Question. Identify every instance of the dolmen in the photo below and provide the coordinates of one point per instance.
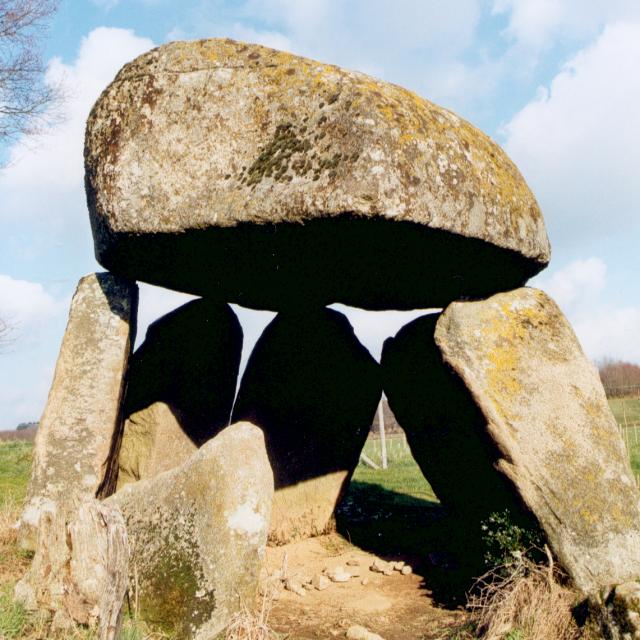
(247, 175)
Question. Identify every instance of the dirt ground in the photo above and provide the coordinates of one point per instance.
(398, 607)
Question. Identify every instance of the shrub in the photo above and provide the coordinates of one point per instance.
(506, 542)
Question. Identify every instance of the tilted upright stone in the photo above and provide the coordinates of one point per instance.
(534, 403)
(240, 173)
(198, 533)
(83, 409)
(313, 389)
(180, 389)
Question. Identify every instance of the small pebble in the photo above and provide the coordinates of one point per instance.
(364, 582)
(295, 587)
(320, 582)
(406, 570)
(357, 632)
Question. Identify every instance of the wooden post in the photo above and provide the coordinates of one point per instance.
(383, 442)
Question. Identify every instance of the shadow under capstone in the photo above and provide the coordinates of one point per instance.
(373, 264)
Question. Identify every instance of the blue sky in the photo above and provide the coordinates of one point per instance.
(555, 82)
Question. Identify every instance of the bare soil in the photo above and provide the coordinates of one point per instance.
(398, 607)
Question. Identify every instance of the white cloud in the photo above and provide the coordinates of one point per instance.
(610, 333)
(539, 24)
(55, 164)
(577, 284)
(604, 330)
(578, 142)
(531, 22)
(24, 303)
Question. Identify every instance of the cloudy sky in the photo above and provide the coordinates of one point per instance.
(555, 82)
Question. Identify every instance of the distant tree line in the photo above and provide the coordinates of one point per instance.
(26, 425)
(619, 378)
(390, 423)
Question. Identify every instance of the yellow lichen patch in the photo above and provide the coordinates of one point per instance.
(507, 334)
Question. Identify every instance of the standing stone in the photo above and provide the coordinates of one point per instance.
(198, 534)
(515, 380)
(83, 409)
(234, 171)
(180, 389)
(313, 389)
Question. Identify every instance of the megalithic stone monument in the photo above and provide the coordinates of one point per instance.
(246, 175)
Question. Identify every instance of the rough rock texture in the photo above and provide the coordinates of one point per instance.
(80, 570)
(83, 409)
(237, 171)
(546, 425)
(198, 534)
(180, 389)
(153, 441)
(313, 389)
(613, 613)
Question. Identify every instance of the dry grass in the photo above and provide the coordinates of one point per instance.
(531, 603)
(253, 624)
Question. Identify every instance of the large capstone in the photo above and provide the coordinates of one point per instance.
(313, 389)
(197, 534)
(180, 389)
(505, 384)
(83, 409)
(254, 176)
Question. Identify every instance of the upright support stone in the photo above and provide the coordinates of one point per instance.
(180, 389)
(531, 400)
(313, 389)
(198, 534)
(83, 409)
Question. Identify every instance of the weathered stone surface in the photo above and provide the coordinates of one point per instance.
(153, 441)
(83, 409)
(80, 570)
(237, 171)
(547, 427)
(180, 389)
(198, 534)
(313, 389)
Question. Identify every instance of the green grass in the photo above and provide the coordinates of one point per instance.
(403, 475)
(15, 466)
(13, 617)
(629, 407)
(627, 413)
